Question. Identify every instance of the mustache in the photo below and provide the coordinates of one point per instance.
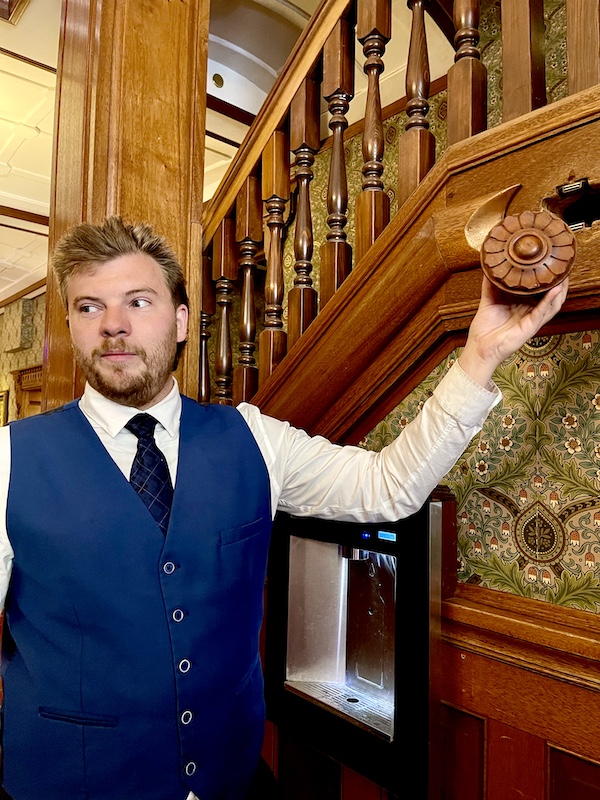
(117, 346)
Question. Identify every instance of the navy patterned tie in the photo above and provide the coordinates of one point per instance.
(150, 473)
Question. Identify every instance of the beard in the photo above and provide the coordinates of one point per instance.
(117, 383)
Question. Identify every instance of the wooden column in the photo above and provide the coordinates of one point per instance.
(583, 44)
(338, 90)
(304, 142)
(276, 193)
(523, 68)
(248, 233)
(373, 30)
(467, 77)
(224, 273)
(129, 140)
(207, 310)
(416, 148)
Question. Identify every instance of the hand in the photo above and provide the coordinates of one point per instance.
(502, 325)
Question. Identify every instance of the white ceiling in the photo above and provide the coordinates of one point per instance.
(249, 42)
(26, 125)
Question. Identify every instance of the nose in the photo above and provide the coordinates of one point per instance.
(115, 322)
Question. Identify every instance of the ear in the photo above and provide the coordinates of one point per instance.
(67, 320)
(181, 320)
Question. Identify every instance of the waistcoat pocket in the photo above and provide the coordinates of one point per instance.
(242, 532)
(78, 717)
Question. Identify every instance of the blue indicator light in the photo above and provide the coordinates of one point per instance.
(387, 536)
(366, 535)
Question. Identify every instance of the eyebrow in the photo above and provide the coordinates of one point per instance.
(93, 299)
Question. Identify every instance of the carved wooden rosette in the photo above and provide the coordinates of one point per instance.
(528, 253)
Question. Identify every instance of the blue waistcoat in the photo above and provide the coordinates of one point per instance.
(135, 673)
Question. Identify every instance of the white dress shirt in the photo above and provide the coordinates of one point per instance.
(308, 476)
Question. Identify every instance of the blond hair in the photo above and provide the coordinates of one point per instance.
(86, 245)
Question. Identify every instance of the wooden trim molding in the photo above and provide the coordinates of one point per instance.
(11, 10)
(23, 293)
(24, 216)
(525, 664)
(562, 643)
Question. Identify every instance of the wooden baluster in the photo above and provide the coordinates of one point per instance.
(523, 66)
(338, 90)
(304, 142)
(249, 233)
(417, 144)
(207, 309)
(467, 77)
(583, 44)
(224, 272)
(276, 193)
(373, 30)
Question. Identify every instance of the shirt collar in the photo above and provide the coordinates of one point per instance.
(112, 417)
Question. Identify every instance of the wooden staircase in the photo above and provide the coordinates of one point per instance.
(405, 297)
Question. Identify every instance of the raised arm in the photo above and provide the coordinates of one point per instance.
(312, 477)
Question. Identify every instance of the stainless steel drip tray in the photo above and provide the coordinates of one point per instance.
(366, 711)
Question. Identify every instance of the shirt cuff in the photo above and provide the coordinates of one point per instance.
(465, 399)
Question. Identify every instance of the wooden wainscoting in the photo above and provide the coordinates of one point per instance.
(520, 686)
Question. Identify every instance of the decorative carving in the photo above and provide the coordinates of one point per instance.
(207, 309)
(276, 193)
(224, 273)
(249, 233)
(338, 90)
(528, 253)
(416, 148)
(304, 142)
(374, 31)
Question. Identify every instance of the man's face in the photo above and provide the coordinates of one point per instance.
(125, 328)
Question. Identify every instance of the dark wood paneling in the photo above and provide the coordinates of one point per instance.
(305, 772)
(462, 762)
(356, 787)
(572, 778)
(515, 763)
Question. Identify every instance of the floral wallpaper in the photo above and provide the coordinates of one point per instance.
(527, 488)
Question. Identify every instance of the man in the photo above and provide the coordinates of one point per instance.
(134, 671)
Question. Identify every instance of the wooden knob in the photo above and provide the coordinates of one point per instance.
(528, 253)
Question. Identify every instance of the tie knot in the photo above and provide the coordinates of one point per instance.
(142, 426)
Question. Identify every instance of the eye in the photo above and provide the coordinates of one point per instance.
(140, 302)
(88, 308)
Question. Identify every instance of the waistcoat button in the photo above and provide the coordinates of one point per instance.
(190, 768)
(186, 717)
(184, 665)
(169, 567)
(178, 615)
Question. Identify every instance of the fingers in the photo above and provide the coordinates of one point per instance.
(552, 301)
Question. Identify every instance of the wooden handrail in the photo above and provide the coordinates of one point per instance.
(425, 192)
(401, 306)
